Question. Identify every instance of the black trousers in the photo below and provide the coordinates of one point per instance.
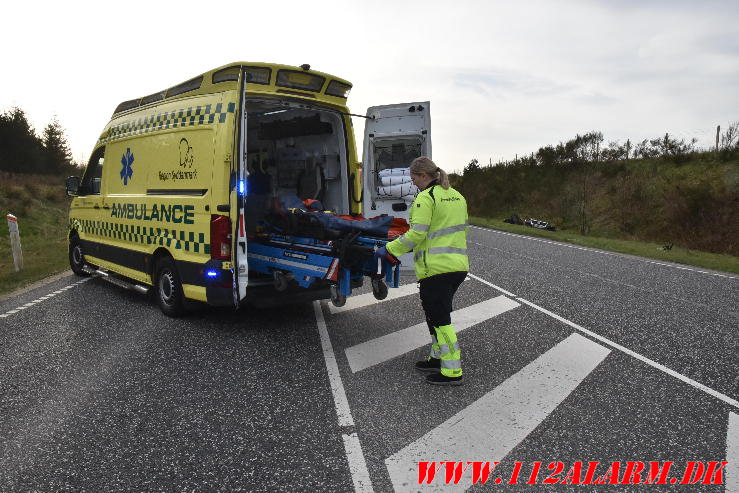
(437, 293)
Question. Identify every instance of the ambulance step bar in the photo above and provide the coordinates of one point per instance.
(115, 280)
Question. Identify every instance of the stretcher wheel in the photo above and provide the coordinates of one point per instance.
(279, 281)
(379, 289)
(337, 297)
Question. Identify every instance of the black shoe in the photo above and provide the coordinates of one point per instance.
(431, 365)
(439, 379)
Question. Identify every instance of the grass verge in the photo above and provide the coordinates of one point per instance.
(42, 209)
(714, 261)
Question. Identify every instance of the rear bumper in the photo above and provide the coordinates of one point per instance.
(267, 296)
(219, 296)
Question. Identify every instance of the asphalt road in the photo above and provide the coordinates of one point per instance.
(569, 354)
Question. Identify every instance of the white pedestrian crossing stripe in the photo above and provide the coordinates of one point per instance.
(389, 346)
(367, 299)
(489, 428)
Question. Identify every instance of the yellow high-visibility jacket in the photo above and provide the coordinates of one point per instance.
(438, 233)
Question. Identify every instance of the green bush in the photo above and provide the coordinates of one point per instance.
(691, 199)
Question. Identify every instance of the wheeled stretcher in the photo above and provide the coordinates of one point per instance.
(342, 263)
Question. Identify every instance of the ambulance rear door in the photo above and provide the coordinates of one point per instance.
(394, 135)
(240, 262)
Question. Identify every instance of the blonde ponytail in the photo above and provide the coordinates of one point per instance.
(423, 165)
(443, 179)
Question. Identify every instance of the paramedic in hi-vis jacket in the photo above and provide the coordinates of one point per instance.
(438, 238)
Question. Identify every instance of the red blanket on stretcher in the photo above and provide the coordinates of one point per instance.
(398, 227)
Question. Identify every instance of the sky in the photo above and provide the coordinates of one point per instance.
(503, 78)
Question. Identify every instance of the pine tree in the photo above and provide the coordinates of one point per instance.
(58, 156)
(21, 151)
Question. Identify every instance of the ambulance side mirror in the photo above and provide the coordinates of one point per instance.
(72, 184)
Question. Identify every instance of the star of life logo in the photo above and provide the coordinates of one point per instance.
(127, 169)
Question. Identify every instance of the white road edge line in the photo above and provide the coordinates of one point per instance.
(357, 464)
(507, 293)
(42, 298)
(633, 354)
(337, 387)
(557, 243)
(732, 455)
(352, 447)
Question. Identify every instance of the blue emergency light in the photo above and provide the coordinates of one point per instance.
(211, 273)
(242, 187)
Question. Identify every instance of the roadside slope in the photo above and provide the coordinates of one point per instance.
(41, 206)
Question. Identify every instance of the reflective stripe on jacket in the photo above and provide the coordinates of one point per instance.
(438, 234)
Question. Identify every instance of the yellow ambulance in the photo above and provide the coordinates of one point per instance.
(179, 179)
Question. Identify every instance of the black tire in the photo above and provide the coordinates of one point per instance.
(337, 298)
(168, 288)
(280, 281)
(379, 289)
(77, 258)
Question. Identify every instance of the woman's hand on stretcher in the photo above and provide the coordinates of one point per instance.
(382, 253)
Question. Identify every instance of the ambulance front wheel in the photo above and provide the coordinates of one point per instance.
(379, 289)
(76, 257)
(337, 297)
(168, 288)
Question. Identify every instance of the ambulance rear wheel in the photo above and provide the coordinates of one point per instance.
(76, 257)
(379, 289)
(337, 297)
(168, 288)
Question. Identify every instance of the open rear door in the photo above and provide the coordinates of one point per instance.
(394, 135)
(240, 264)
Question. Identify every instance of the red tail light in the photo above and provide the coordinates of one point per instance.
(220, 237)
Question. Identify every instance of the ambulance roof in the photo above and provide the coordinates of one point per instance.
(271, 77)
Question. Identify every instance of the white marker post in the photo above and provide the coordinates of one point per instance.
(15, 242)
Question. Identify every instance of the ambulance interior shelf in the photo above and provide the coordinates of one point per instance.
(294, 148)
(392, 157)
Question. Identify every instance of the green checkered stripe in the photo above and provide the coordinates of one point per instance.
(186, 117)
(188, 241)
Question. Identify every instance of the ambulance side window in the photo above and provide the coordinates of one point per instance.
(94, 174)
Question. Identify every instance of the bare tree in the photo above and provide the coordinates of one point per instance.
(730, 138)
